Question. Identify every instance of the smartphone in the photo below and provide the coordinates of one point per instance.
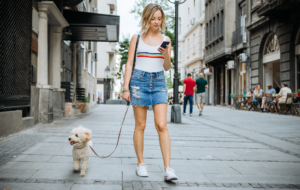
(164, 44)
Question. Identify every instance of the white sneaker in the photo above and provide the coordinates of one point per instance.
(183, 113)
(141, 170)
(170, 174)
(190, 114)
(200, 112)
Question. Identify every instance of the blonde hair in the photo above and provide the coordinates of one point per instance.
(148, 14)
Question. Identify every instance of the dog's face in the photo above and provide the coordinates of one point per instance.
(80, 135)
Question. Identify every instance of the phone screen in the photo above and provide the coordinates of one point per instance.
(164, 44)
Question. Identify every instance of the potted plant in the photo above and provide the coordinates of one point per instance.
(83, 104)
(298, 93)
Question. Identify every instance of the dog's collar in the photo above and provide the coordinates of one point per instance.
(78, 147)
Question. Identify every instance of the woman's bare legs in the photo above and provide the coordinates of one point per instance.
(263, 105)
(160, 120)
(140, 115)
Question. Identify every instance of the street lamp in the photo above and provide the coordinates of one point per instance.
(107, 70)
(176, 109)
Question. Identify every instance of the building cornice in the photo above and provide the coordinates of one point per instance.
(55, 16)
(257, 23)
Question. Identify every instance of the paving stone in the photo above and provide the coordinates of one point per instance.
(255, 185)
(227, 184)
(30, 180)
(45, 181)
(192, 184)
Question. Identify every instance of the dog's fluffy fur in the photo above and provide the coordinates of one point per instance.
(80, 138)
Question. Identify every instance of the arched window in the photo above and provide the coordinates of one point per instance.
(272, 45)
(271, 49)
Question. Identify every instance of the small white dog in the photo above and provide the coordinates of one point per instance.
(81, 139)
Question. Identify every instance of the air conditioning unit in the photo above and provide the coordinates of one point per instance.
(208, 71)
(192, 21)
(230, 64)
(243, 57)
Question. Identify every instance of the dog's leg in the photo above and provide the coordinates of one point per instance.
(84, 165)
(76, 164)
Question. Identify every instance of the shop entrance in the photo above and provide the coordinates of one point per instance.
(272, 75)
(271, 61)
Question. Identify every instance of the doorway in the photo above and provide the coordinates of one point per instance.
(272, 75)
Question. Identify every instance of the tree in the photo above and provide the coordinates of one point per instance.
(123, 52)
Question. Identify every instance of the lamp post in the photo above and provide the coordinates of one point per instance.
(176, 109)
(107, 70)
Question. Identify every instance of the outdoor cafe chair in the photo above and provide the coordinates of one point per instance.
(295, 107)
(286, 107)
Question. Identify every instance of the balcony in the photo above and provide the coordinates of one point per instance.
(239, 36)
(110, 48)
(278, 8)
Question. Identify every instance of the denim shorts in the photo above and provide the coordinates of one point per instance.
(148, 89)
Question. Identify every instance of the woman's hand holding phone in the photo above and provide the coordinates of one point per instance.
(163, 50)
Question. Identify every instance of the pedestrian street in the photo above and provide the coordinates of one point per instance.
(222, 149)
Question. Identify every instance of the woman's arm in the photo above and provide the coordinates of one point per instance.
(167, 54)
(129, 64)
(128, 70)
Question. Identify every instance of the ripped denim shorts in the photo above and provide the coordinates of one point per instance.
(148, 89)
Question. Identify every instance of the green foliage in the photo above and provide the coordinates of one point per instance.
(86, 99)
(123, 52)
(298, 90)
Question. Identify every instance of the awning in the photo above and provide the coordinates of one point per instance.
(84, 26)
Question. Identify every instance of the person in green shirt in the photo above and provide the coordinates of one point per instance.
(201, 84)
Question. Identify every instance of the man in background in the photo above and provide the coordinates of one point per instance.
(201, 84)
(189, 87)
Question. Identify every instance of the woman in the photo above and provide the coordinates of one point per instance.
(148, 86)
(257, 94)
(264, 99)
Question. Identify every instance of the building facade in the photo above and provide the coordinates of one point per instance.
(218, 47)
(191, 38)
(106, 66)
(275, 35)
(51, 70)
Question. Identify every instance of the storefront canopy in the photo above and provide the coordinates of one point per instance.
(85, 26)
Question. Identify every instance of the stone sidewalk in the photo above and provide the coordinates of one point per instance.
(223, 149)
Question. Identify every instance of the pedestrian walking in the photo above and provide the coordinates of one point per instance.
(189, 87)
(201, 84)
(148, 85)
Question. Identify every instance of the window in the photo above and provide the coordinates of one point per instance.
(179, 53)
(94, 69)
(201, 38)
(89, 62)
(179, 25)
(194, 44)
(206, 35)
(189, 13)
(200, 8)
(218, 32)
(214, 28)
(221, 24)
(210, 31)
(188, 47)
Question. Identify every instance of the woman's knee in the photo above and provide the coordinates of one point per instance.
(140, 126)
(161, 127)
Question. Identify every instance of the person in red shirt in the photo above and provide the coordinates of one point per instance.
(189, 87)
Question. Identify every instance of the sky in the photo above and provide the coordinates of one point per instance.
(128, 24)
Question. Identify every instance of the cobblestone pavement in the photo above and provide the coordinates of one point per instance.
(222, 149)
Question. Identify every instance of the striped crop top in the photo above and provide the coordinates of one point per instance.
(148, 58)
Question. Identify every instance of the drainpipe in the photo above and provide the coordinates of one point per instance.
(249, 9)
